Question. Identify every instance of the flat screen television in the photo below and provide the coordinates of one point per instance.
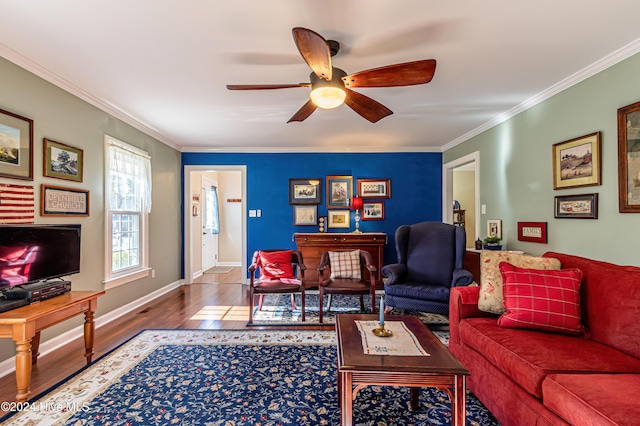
(35, 253)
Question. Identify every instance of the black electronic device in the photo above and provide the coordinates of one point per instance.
(38, 291)
(37, 253)
(7, 305)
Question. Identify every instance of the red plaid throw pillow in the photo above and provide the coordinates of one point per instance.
(545, 300)
(345, 264)
(275, 264)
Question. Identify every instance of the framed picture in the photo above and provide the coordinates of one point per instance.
(583, 206)
(62, 161)
(577, 162)
(304, 191)
(61, 201)
(339, 219)
(339, 190)
(534, 232)
(629, 158)
(494, 228)
(374, 188)
(16, 146)
(305, 215)
(373, 211)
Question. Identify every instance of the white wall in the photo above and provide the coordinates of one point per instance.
(229, 240)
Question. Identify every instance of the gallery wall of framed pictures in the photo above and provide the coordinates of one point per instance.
(306, 197)
(60, 161)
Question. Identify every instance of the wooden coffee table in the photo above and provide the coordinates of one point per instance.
(440, 370)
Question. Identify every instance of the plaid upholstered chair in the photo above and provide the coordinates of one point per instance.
(346, 272)
(276, 271)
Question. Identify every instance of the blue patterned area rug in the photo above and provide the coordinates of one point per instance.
(233, 377)
(276, 309)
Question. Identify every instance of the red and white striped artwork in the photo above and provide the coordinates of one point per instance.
(16, 204)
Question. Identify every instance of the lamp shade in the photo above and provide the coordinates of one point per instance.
(356, 203)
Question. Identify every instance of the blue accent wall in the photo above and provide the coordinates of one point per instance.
(416, 190)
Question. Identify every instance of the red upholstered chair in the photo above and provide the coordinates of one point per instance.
(276, 271)
(347, 272)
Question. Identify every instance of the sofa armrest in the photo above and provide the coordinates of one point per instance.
(463, 303)
(395, 272)
(461, 277)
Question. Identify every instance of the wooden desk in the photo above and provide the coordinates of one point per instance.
(24, 324)
(312, 245)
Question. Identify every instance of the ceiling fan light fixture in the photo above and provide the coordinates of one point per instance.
(328, 97)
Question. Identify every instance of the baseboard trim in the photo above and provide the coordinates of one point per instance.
(229, 263)
(9, 366)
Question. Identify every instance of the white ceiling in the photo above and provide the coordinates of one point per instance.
(162, 65)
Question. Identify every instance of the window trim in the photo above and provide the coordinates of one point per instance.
(143, 270)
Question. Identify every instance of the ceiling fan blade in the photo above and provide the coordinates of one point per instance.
(304, 112)
(265, 86)
(405, 74)
(366, 107)
(315, 51)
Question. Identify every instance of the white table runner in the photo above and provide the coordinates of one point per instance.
(402, 343)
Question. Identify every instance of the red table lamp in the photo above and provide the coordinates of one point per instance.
(356, 204)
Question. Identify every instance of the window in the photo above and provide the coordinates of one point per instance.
(127, 207)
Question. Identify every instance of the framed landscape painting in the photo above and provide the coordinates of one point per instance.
(304, 191)
(629, 158)
(577, 162)
(16, 146)
(63, 161)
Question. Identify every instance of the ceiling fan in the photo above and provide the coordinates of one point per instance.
(331, 86)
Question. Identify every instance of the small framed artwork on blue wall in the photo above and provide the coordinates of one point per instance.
(339, 191)
(305, 215)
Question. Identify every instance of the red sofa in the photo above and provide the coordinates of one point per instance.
(529, 377)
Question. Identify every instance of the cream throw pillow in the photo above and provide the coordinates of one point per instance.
(491, 280)
(345, 264)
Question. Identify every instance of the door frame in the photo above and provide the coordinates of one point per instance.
(186, 201)
(447, 187)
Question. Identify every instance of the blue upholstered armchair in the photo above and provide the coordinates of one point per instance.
(430, 262)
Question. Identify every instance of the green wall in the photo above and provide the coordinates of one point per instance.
(516, 175)
(62, 117)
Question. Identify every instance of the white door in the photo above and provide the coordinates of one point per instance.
(210, 224)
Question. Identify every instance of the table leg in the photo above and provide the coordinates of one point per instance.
(35, 348)
(415, 398)
(346, 399)
(22, 335)
(89, 330)
(459, 402)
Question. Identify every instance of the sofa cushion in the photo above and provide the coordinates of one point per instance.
(491, 280)
(527, 356)
(345, 264)
(275, 265)
(610, 301)
(593, 399)
(541, 300)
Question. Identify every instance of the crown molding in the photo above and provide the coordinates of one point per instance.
(34, 68)
(324, 150)
(589, 71)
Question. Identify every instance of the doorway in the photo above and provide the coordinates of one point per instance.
(469, 167)
(232, 227)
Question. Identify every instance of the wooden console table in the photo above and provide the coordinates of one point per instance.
(24, 324)
(312, 245)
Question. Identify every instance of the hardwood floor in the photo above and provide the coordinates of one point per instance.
(215, 302)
